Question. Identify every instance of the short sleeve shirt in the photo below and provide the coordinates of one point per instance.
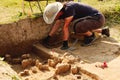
(77, 10)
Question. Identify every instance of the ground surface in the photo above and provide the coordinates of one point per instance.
(104, 49)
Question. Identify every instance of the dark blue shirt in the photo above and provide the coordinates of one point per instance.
(77, 10)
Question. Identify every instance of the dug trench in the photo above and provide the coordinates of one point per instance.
(54, 64)
(28, 59)
(46, 64)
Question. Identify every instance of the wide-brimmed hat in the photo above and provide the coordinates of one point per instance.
(51, 11)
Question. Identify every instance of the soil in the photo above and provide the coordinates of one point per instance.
(35, 73)
(104, 49)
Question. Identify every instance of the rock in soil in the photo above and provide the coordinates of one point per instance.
(25, 73)
(74, 69)
(25, 56)
(62, 68)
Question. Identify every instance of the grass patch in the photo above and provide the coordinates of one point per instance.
(110, 8)
(12, 10)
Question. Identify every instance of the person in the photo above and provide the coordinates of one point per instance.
(85, 19)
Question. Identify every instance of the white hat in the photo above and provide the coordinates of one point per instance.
(51, 11)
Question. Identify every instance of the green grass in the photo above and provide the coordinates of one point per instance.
(8, 9)
(12, 10)
(110, 8)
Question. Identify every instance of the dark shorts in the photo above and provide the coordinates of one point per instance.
(88, 23)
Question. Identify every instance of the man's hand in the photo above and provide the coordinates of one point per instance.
(52, 42)
(46, 42)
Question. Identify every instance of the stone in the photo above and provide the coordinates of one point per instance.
(51, 63)
(62, 68)
(44, 67)
(74, 69)
(25, 63)
(69, 59)
(34, 69)
(25, 56)
(24, 73)
(37, 63)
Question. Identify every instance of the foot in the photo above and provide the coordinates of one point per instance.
(64, 47)
(88, 40)
(106, 31)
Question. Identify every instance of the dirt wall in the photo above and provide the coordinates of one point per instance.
(18, 37)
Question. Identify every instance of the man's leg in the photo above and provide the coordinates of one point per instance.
(89, 37)
(104, 31)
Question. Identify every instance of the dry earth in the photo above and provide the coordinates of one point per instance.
(104, 49)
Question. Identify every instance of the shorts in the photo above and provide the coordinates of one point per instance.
(88, 23)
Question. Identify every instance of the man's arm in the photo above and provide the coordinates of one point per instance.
(66, 27)
(55, 27)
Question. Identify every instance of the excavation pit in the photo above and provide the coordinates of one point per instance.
(23, 37)
(33, 67)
